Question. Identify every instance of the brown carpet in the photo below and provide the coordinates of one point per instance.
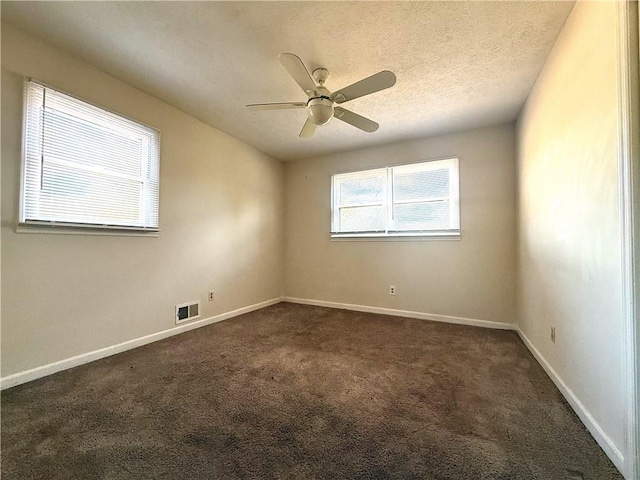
(304, 392)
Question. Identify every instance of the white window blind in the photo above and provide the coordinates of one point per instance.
(85, 166)
(416, 199)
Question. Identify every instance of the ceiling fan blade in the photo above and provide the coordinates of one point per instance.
(275, 106)
(298, 71)
(372, 84)
(356, 120)
(308, 129)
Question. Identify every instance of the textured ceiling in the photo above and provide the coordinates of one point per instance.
(460, 65)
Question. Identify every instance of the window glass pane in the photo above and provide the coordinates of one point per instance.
(421, 216)
(361, 191)
(420, 185)
(422, 198)
(358, 219)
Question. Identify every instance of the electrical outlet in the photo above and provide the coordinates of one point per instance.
(212, 295)
(553, 334)
(392, 289)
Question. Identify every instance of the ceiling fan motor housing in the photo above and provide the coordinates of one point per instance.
(320, 110)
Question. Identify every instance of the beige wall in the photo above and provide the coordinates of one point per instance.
(473, 277)
(569, 233)
(221, 205)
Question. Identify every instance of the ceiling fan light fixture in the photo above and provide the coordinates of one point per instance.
(320, 103)
(320, 110)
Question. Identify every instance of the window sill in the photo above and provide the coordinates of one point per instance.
(396, 237)
(91, 230)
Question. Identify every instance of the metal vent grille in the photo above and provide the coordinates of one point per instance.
(187, 312)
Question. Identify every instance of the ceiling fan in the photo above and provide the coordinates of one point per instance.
(320, 105)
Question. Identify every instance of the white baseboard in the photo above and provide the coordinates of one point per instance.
(43, 371)
(596, 431)
(403, 313)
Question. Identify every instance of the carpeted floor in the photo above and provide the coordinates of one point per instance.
(302, 392)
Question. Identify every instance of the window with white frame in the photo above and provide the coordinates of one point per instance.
(406, 200)
(83, 166)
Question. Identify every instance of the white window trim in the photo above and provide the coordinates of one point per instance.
(24, 225)
(389, 234)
